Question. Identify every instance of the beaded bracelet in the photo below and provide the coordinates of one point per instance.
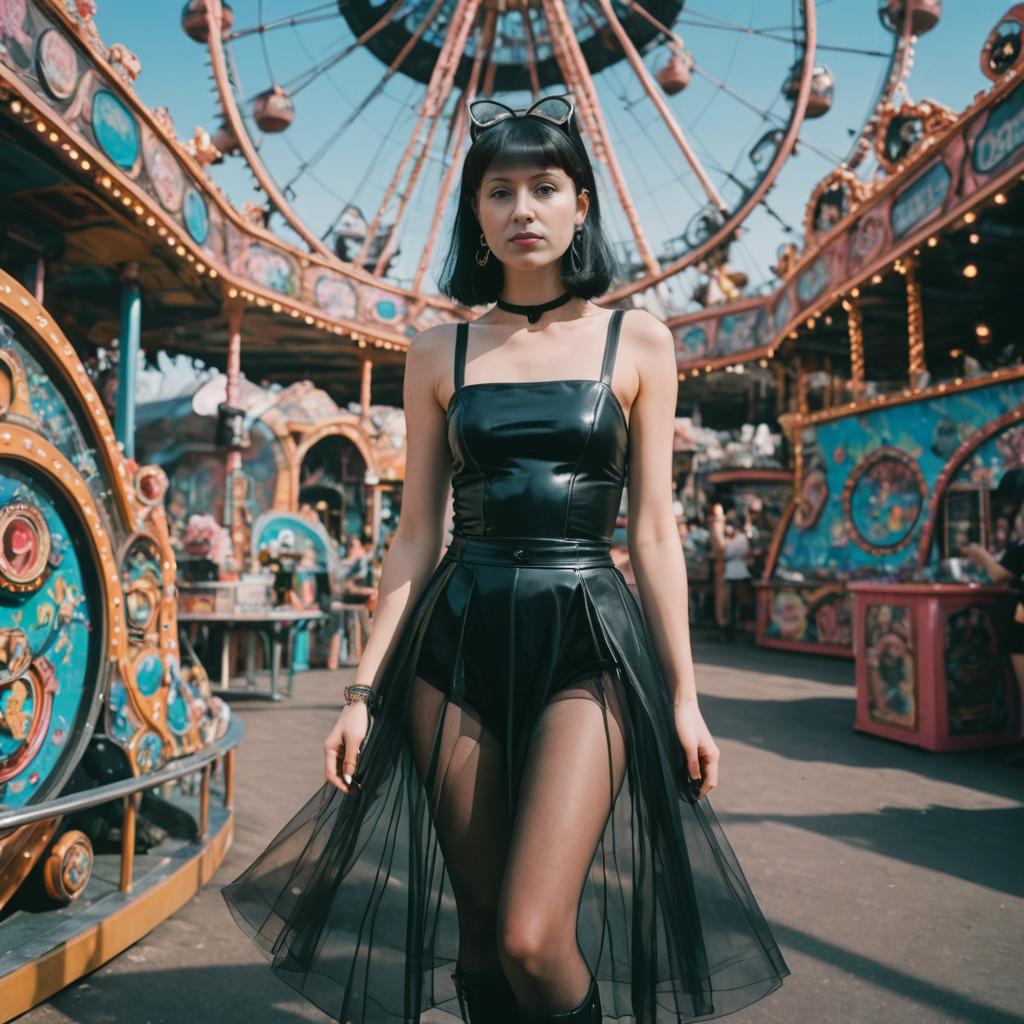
(367, 694)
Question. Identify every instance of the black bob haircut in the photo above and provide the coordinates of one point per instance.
(524, 142)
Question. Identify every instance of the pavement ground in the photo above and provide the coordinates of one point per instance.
(893, 878)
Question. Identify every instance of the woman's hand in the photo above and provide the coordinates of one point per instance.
(974, 553)
(702, 753)
(341, 748)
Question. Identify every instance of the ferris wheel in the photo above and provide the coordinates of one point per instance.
(351, 115)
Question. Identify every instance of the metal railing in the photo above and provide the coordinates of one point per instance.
(131, 789)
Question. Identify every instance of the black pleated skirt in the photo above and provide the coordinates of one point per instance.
(351, 902)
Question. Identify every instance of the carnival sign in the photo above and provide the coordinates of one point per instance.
(921, 200)
(1002, 136)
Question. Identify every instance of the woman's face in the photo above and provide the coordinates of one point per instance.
(539, 202)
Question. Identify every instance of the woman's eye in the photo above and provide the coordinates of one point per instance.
(552, 187)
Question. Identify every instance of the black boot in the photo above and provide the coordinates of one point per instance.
(588, 1012)
(486, 998)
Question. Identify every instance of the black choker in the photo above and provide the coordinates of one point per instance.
(533, 313)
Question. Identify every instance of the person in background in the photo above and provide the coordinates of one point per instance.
(1007, 566)
(177, 519)
(716, 529)
(359, 588)
(736, 571)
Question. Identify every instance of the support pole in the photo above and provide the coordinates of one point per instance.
(855, 326)
(232, 372)
(128, 357)
(915, 325)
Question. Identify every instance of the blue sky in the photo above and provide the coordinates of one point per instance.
(662, 186)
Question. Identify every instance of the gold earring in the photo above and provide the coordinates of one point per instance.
(487, 254)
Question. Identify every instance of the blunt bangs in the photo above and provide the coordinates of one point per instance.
(512, 144)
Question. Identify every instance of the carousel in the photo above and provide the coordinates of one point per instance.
(103, 728)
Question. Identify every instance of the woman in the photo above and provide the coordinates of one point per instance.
(507, 825)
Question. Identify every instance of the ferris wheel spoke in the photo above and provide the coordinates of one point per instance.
(310, 75)
(531, 52)
(577, 72)
(385, 137)
(768, 115)
(640, 69)
(310, 16)
(774, 35)
(376, 91)
(457, 136)
(441, 78)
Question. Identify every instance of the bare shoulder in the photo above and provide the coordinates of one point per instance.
(428, 360)
(647, 346)
(649, 337)
(432, 341)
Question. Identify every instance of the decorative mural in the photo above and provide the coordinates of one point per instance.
(892, 676)
(976, 672)
(883, 499)
(875, 530)
(800, 615)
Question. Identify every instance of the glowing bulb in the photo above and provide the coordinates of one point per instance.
(970, 217)
(932, 242)
(999, 198)
(970, 270)
(983, 330)
(974, 238)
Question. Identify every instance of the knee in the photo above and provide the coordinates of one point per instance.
(534, 943)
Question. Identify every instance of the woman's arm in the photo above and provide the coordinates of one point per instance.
(655, 551)
(415, 545)
(985, 560)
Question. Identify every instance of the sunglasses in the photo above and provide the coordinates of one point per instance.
(484, 114)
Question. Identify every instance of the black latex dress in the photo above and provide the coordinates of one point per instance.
(352, 902)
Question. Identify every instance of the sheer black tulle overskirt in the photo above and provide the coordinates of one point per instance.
(352, 902)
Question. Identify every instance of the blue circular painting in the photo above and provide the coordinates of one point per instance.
(883, 499)
(115, 129)
(197, 219)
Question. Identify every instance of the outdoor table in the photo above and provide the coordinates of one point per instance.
(931, 663)
(279, 625)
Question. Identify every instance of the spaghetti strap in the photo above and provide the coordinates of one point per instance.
(611, 345)
(461, 337)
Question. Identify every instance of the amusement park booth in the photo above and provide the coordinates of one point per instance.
(893, 337)
(902, 334)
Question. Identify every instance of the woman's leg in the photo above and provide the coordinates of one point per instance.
(574, 768)
(468, 809)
